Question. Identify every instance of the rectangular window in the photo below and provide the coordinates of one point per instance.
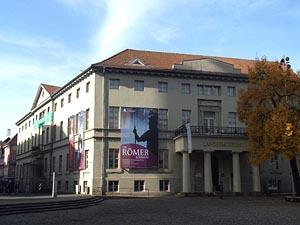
(61, 130)
(163, 119)
(55, 108)
(139, 85)
(163, 87)
(60, 163)
(273, 184)
(185, 88)
(87, 119)
(231, 119)
(67, 162)
(53, 164)
(274, 162)
(46, 165)
(113, 186)
(164, 185)
(69, 98)
(113, 117)
(208, 90)
(163, 159)
(114, 83)
(186, 116)
(78, 93)
(139, 185)
(62, 103)
(87, 87)
(113, 158)
(231, 91)
(86, 159)
(47, 135)
(66, 185)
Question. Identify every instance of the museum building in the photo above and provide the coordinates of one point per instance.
(144, 123)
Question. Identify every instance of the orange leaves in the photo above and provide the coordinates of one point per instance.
(271, 109)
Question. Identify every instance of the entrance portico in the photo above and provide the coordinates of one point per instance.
(215, 160)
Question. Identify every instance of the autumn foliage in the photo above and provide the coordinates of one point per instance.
(271, 109)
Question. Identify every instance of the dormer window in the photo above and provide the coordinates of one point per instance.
(136, 62)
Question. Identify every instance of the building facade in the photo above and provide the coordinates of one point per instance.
(143, 124)
(8, 164)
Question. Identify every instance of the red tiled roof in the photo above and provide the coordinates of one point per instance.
(164, 60)
(50, 88)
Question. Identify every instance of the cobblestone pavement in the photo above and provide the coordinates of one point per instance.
(172, 211)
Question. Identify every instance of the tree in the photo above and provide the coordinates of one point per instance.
(270, 107)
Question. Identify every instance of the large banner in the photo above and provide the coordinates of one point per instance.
(71, 144)
(139, 138)
(80, 140)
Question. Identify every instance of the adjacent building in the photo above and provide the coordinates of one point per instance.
(144, 123)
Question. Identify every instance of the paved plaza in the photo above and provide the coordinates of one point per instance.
(171, 211)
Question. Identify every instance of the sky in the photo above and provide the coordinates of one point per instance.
(51, 41)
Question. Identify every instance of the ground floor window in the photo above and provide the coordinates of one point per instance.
(113, 185)
(139, 185)
(164, 185)
(273, 184)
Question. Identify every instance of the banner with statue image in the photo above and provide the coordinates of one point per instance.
(139, 138)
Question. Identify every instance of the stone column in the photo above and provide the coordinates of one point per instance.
(236, 172)
(186, 172)
(256, 179)
(208, 187)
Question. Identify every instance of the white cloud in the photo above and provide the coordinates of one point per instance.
(128, 22)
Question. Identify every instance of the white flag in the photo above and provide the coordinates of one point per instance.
(189, 136)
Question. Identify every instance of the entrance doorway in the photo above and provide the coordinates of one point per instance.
(215, 172)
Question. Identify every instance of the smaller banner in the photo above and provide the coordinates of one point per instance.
(189, 136)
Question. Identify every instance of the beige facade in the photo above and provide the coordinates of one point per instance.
(201, 92)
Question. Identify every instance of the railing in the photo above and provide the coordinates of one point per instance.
(210, 131)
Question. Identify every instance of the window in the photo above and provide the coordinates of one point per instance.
(66, 185)
(185, 88)
(139, 185)
(46, 165)
(164, 185)
(113, 117)
(139, 85)
(55, 108)
(163, 159)
(60, 164)
(208, 90)
(53, 164)
(231, 119)
(113, 158)
(273, 184)
(67, 162)
(87, 87)
(231, 91)
(274, 162)
(186, 116)
(114, 83)
(86, 159)
(61, 131)
(163, 87)
(47, 135)
(87, 119)
(163, 119)
(58, 185)
(69, 98)
(78, 93)
(62, 103)
(113, 185)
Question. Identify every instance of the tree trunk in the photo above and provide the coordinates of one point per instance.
(295, 173)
